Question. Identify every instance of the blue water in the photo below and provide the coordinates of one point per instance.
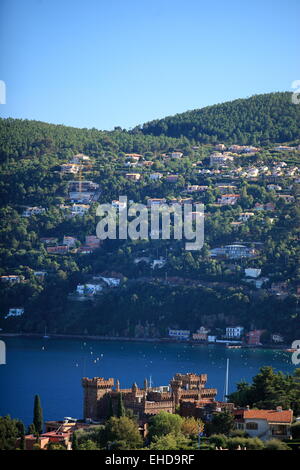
(53, 368)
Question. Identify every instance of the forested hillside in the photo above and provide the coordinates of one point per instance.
(251, 198)
(258, 120)
(23, 138)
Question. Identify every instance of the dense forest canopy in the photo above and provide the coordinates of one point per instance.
(24, 138)
(258, 120)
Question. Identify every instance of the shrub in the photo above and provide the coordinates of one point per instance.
(88, 445)
(276, 444)
(295, 430)
(170, 441)
(254, 443)
(219, 440)
(233, 443)
(238, 433)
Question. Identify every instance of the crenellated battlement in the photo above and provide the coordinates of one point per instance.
(208, 392)
(98, 383)
(190, 379)
(100, 395)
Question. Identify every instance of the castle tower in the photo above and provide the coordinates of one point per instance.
(117, 385)
(189, 386)
(134, 388)
(95, 402)
(176, 389)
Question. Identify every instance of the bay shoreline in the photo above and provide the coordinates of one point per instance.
(141, 340)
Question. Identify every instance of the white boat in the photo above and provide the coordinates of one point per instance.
(45, 335)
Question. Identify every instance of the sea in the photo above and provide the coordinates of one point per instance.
(53, 369)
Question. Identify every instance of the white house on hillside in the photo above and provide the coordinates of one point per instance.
(15, 312)
(252, 272)
(265, 424)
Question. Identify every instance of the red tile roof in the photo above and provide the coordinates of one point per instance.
(284, 416)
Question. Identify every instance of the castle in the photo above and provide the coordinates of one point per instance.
(100, 395)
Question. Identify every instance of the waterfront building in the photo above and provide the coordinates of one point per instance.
(234, 331)
(179, 334)
(201, 334)
(101, 394)
(254, 337)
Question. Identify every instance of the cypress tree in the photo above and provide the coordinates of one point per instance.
(121, 408)
(74, 441)
(21, 429)
(110, 409)
(38, 415)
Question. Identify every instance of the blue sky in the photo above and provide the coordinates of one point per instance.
(106, 63)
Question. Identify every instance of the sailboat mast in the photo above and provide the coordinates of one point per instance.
(226, 380)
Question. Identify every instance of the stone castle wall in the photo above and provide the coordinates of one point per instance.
(99, 393)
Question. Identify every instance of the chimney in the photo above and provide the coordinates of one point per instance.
(247, 407)
(279, 408)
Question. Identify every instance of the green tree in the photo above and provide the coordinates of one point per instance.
(121, 433)
(31, 429)
(75, 441)
(295, 430)
(110, 408)
(164, 423)
(218, 440)
(121, 408)
(221, 423)
(38, 415)
(170, 441)
(88, 445)
(21, 433)
(10, 431)
(269, 390)
(191, 426)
